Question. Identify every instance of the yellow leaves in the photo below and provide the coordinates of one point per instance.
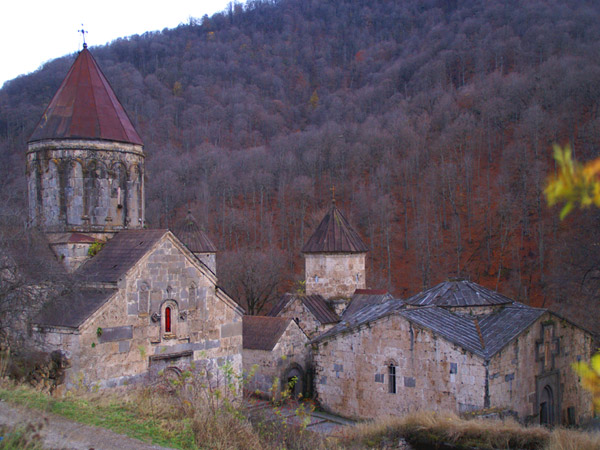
(574, 183)
(177, 89)
(314, 99)
(590, 377)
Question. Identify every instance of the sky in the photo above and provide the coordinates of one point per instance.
(35, 31)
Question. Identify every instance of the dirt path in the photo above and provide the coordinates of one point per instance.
(60, 433)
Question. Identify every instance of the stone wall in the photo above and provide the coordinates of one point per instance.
(126, 339)
(85, 186)
(334, 275)
(209, 260)
(352, 372)
(542, 356)
(290, 352)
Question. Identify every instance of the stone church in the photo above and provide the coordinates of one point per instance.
(456, 347)
(147, 300)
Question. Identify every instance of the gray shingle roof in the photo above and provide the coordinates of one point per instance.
(455, 328)
(364, 297)
(483, 335)
(367, 314)
(335, 235)
(119, 255)
(502, 327)
(73, 309)
(316, 304)
(263, 333)
(459, 293)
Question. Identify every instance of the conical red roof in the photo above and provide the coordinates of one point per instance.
(85, 107)
(335, 235)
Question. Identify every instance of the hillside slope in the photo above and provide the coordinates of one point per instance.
(434, 120)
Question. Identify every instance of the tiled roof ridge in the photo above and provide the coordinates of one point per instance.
(263, 332)
(72, 310)
(112, 261)
(319, 308)
(478, 329)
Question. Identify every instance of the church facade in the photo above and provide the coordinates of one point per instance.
(144, 301)
(457, 347)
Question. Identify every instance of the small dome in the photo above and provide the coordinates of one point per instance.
(195, 239)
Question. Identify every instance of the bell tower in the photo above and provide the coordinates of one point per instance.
(85, 163)
(334, 258)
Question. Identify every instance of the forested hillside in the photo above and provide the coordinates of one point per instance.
(433, 119)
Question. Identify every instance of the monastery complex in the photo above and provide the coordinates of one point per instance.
(149, 300)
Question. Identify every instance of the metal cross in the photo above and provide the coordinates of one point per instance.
(83, 33)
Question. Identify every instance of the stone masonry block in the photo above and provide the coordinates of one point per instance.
(116, 334)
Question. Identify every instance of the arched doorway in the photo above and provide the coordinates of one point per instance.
(293, 379)
(547, 406)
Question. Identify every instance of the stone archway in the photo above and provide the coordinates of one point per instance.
(548, 399)
(547, 406)
(294, 377)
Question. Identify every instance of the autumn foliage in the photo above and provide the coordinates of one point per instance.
(434, 120)
(574, 183)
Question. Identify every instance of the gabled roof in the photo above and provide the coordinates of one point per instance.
(316, 304)
(195, 239)
(119, 255)
(85, 107)
(334, 235)
(483, 335)
(365, 297)
(500, 328)
(459, 293)
(263, 333)
(73, 309)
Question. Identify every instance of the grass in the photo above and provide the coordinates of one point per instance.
(186, 420)
(22, 438)
(125, 412)
(175, 420)
(433, 430)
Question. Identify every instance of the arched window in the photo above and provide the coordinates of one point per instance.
(392, 378)
(168, 319)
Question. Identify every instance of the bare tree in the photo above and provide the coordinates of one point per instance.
(252, 277)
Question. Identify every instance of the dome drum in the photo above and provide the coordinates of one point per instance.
(85, 185)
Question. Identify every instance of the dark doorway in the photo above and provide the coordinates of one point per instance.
(294, 380)
(547, 406)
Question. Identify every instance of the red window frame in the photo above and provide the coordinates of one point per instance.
(168, 319)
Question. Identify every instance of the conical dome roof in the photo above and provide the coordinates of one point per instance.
(85, 107)
(335, 235)
(196, 240)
